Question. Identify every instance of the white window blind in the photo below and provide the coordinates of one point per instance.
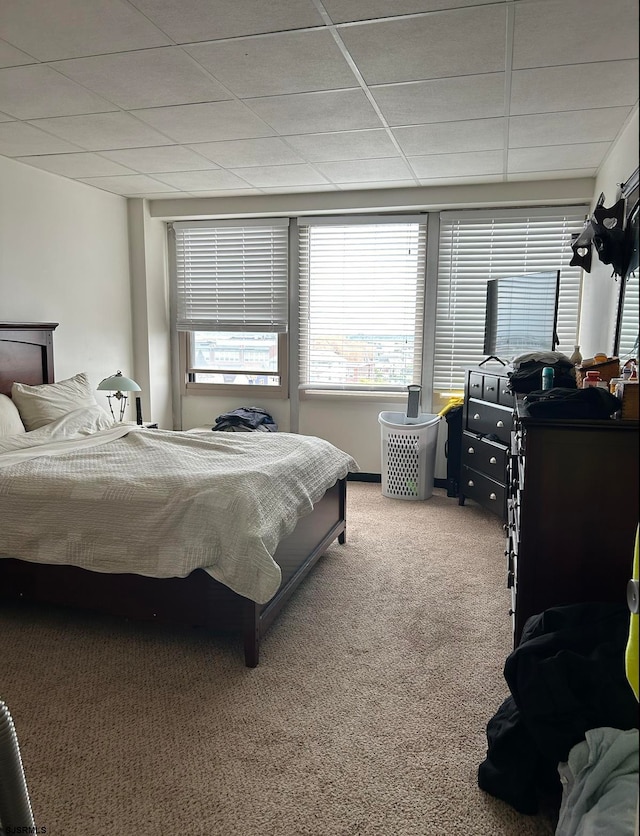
(483, 245)
(361, 302)
(232, 276)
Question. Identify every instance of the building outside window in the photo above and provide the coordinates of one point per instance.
(361, 288)
(361, 307)
(231, 305)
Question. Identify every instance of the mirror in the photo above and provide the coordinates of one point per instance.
(626, 332)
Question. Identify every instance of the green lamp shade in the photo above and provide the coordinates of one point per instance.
(118, 383)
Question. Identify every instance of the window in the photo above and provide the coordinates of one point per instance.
(482, 245)
(231, 304)
(628, 340)
(361, 303)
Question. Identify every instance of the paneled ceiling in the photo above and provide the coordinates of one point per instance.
(183, 98)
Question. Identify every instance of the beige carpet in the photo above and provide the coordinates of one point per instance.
(365, 717)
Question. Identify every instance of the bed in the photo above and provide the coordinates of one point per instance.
(194, 598)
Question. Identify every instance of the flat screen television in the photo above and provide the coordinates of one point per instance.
(521, 314)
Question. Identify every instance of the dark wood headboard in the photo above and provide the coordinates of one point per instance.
(26, 353)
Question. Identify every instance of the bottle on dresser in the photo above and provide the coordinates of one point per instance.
(591, 378)
(576, 357)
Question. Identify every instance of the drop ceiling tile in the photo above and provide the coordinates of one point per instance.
(458, 165)
(196, 181)
(551, 32)
(160, 158)
(341, 11)
(12, 57)
(72, 28)
(442, 100)
(146, 78)
(280, 175)
(376, 184)
(206, 122)
(344, 145)
(605, 84)
(202, 20)
(566, 127)
(160, 195)
(222, 193)
(249, 152)
(18, 139)
(299, 113)
(102, 131)
(365, 171)
(568, 174)
(452, 137)
(462, 181)
(444, 44)
(132, 184)
(557, 157)
(37, 91)
(322, 187)
(270, 65)
(76, 165)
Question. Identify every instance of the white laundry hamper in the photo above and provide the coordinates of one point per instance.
(408, 454)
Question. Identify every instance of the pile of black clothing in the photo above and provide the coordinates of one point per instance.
(526, 374)
(245, 419)
(560, 402)
(566, 676)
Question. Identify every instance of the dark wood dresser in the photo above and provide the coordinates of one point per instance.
(572, 512)
(487, 422)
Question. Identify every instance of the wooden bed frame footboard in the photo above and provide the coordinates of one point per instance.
(26, 355)
(195, 601)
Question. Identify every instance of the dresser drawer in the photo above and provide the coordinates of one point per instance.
(484, 490)
(474, 386)
(489, 419)
(505, 395)
(487, 456)
(490, 388)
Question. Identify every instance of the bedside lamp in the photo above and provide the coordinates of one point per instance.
(117, 384)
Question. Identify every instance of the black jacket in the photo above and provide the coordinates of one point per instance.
(245, 419)
(566, 676)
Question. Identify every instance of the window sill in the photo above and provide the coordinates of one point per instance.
(340, 394)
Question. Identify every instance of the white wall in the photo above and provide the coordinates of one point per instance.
(600, 290)
(150, 305)
(64, 257)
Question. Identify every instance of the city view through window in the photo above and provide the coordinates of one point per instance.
(361, 290)
(252, 359)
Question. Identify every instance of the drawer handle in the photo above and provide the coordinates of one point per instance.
(506, 391)
(491, 388)
(471, 450)
(476, 417)
(475, 385)
(500, 424)
(492, 496)
(493, 460)
(470, 483)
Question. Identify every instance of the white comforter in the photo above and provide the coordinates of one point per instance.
(115, 498)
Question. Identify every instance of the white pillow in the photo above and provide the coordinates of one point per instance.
(40, 405)
(10, 423)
